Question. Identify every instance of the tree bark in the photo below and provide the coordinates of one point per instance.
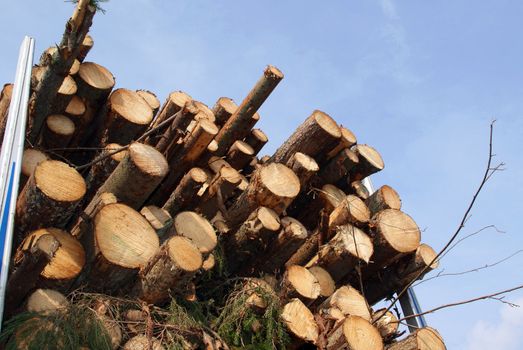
(76, 111)
(49, 198)
(256, 139)
(158, 218)
(338, 167)
(383, 198)
(423, 338)
(243, 119)
(169, 271)
(86, 45)
(125, 242)
(62, 61)
(273, 185)
(5, 101)
(319, 127)
(347, 140)
(370, 162)
(221, 187)
(239, 155)
(186, 195)
(170, 140)
(223, 110)
(175, 102)
(58, 132)
(94, 83)
(136, 176)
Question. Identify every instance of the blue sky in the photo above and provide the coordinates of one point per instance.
(420, 81)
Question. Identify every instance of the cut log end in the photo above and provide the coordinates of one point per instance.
(196, 228)
(184, 254)
(31, 158)
(327, 284)
(398, 229)
(131, 106)
(96, 76)
(348, 301)
(150, 98)
(361, 335)
(148, 160)
(300, 321)
(60, 125)
(59, 181)
(303, 282)
(45, 300)
(75, 107)
(280, 180)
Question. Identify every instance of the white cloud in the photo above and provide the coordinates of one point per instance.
(499, 334)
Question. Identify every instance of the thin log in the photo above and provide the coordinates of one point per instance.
(239, 155)
(347, 140)
(354, 334)
(86, 46)
(197, 229)
(224, 109)
(242, 121)
(424, 338)
(339, 166)
(58, 132)
(5, 101)
(256, 139)
(125, 242)
(350, 210)
(384, 198)
(159, 218)
(290, 238)
(29, 266)
(174, 103)
(386, 323)
(305, 168)
(169, 271)
(30, 159)
(396, 276)
(136, 176)
(360, 190)
(319, 127)
(75, 111)
(216, 163)
(185, 196)
(169, 140)
(299, 282)
(273, 185)
(65, 94)
(151, 99)
(205, 112)
(300, 322)
(62, 61)
(75, 68)
(308, 205)
(49, 198)
(370, 162)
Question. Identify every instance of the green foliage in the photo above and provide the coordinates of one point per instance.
(66, 329)
(242, 325)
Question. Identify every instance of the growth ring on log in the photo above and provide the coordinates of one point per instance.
(279, 180)
(59, 181)
(300, 321)
(124, 237)
(361, 335)
(185, 254)
(31, 158)
(96, 76)
(198, 229)
(130, 105)
(399, 230)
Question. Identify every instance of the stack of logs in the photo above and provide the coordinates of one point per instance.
(124, 196)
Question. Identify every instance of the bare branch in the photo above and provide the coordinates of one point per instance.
(469, 236)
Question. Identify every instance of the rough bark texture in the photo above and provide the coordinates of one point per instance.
(304, 167)
(185, 196)
(422, 339)
(347, 140)
(370, 162)
(168, 142)
(136, 176)
(76, 111)
(62, 61)
(308, 205)
(169, 271)
(274, 186)
(256, 139)
(338, 167)
(224, 109)
(319, 127)
(86, 45)
(49, 198)
(58, 132)
(175, 101)
(239, 155)
(5, 101)
(242, 121)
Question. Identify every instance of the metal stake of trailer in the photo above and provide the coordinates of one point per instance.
(409, 302)
(11, 157)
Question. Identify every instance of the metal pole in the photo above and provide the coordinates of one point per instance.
(409, 301)
(11, 157)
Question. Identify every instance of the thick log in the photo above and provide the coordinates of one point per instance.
(223, 109)
(327, 284)
(174, 103)
(127, 115)
(256, 139)
(384, 198)
(95, 83)
(158, 218)
(395, 277)
(394, 235)
(58, 132)
(67, 262)
(370, 162)
(46, 300)
(290, 238)
(243, 119)
(136, 176)
(299, 282)
(185, 196)
(356, 333)
(197, 229)
(61, 62)
(101, 170)
(169, 271)
(169, 141)
(85, 47)
(5, 101)
(348, 249)
(347, 140)
(338, 167)
(273, 185)
(151, 99)
(31, 158)
(319, 127)
(251, 238)
(422, 339)
(346, 301)
(304, 167)
(300, 322)
(386, 323)
(143, 342)
(49, 198)
(29, 265)
(308, 206)
(125, 242)
(239, 155)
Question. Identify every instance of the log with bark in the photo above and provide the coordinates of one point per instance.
(386, 323)
(197, 229)
(125, 242)
(75, 111)
(223, 110)
(30, 159)
(243, 119)
(174, 103)
(159, 218)
(347, 140)
(170, 140)
(355, 333)
(304, 167)
(95, 83)
(300, 323)
(338, 167)
(308, 206)
(256, 139)
(49, 198)
(383, 198)
(58, 132)
(5, 101)
(186, 195)
(370, 162)
(86, 46)
(239, 155)
(426, 338)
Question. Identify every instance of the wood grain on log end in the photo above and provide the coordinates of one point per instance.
(301, 283)
(300, 321)
(327, 284)
(150, 98)
(360, 334)
(196, 228)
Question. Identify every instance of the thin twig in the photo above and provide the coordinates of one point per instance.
(488, 173)
(469, 236)
(490, 296)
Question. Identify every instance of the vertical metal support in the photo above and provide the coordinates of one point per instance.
(11, 157)
(409, 301)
